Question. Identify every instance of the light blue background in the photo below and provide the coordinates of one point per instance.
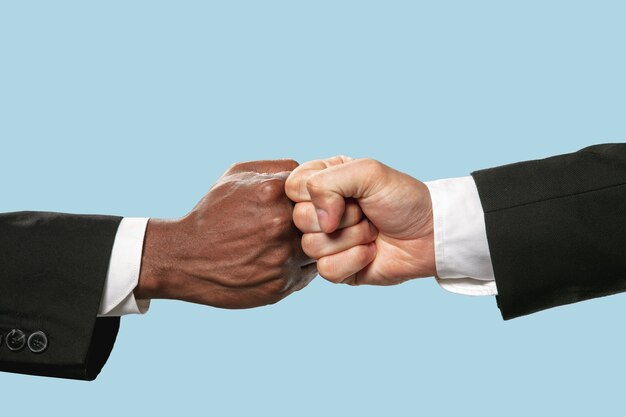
(136, 108)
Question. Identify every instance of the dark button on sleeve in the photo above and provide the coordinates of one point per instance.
(37, 342)
(15, 340)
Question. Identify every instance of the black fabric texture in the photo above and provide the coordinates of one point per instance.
(556, 228)
(52, 274)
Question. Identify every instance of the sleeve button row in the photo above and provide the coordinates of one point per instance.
(16, 339)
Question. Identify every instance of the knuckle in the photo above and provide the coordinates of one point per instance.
(336, 160)
(273, 186)
(235, 166)
(301, 216)
(310, 245)
(366, 255)
(291, 164)
(271, 190)
(291, 185)
(278, 223)
(315, 182)
(362, 255)
(373, 165)
(360, 233)
(328, 270)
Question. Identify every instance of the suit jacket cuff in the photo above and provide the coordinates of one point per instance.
(52, 270)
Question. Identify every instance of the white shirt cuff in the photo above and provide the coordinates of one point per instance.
(462, 255)
(118, 298)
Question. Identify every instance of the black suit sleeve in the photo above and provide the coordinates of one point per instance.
(556, 228)
(52, 274)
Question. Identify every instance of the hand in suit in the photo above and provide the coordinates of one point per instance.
(238, 248)
(392, 244)
(550, 232)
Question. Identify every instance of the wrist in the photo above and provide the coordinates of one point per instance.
(425, 261)
(158, 262)
(429, 261)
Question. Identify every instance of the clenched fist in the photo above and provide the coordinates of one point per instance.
(238, 248)
(364, 222)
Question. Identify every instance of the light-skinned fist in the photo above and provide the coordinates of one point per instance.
(364, 222)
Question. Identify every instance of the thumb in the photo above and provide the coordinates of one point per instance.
(328, 189)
